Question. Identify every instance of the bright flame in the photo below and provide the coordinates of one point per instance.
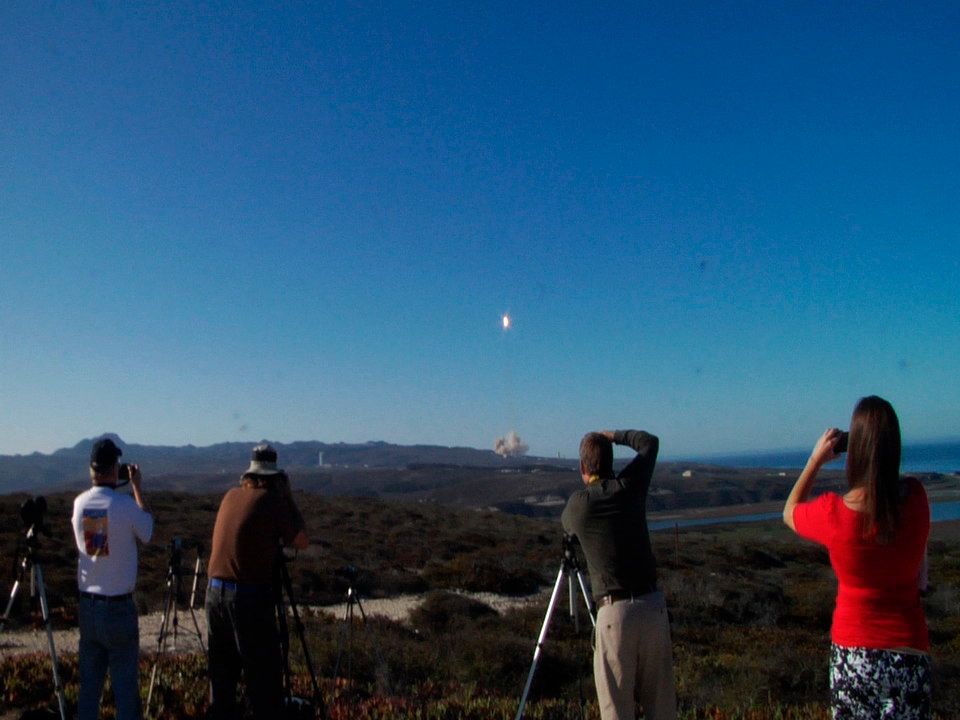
(506, 321)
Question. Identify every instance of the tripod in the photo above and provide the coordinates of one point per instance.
(170, 624)
(569, 567)
(296, 707)
(345, 639)
(32, 512)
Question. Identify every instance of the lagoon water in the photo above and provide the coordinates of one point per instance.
(939, 512)
(941, 457)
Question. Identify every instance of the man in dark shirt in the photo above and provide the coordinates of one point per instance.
(254, 520)
(633, 658)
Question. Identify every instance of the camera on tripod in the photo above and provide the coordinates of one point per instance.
(32, 513)
(28, 570)
(569, 569)
(173, 597)
(176, 553)
(177, 547)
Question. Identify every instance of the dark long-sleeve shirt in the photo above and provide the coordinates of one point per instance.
(609, 517)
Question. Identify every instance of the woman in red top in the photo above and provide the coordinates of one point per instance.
(876, 535)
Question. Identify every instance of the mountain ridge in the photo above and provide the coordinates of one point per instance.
(65, 467)
(457, 476)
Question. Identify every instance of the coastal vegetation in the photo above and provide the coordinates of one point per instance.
(750, 607)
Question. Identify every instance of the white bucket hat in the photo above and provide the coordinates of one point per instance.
(263, 461)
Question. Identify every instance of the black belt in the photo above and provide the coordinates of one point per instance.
(106, 598)
(239, 587)
(618, 595)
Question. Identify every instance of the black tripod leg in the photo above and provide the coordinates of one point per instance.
(363, 615)
(298, 625)
(345, 641)
(541, 639)
(377, 650)
(196, 627)
(45, 612)
(168, 600)
(349, 626)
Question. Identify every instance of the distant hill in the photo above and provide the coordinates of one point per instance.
(459, 477)
(69, 466)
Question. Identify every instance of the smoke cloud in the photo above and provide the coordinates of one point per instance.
(510, 445)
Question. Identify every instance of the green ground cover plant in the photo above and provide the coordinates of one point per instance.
(750, 608)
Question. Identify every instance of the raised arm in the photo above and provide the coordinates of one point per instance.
(294, 529)
(143, 527)
(135, 479)
(646, 445)
(822, 454)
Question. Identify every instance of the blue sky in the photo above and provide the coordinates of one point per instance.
(721, 222)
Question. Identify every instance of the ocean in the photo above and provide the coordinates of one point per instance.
(940, 457)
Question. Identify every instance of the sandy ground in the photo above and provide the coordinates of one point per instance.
(397, 608)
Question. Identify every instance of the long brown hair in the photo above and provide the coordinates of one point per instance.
(873, 463)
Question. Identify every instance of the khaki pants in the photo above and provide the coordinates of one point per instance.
(633, 660)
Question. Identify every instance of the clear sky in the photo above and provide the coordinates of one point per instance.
(722, 222)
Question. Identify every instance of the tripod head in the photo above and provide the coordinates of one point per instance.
(176, 556)
(570, 546)
(177, 546)
(32, 513)
(349, 573)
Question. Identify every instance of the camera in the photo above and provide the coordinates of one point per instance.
(123, 472)
(842, 440)
(32, 511)
(570, 545)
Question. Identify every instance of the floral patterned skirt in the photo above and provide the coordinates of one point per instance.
(867, 684)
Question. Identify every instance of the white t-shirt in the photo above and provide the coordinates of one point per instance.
(106, 524)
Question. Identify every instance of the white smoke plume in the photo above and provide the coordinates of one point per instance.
(510, 445)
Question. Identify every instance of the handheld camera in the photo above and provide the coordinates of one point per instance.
(843, 439)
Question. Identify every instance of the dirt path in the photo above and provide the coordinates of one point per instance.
(396, 608)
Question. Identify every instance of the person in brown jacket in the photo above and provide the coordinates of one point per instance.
(254, 521)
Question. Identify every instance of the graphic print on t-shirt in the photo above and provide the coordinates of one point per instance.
(96, 535)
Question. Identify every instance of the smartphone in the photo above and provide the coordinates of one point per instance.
(841, 445)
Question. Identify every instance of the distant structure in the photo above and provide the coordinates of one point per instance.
(688, 473)
(320, 458)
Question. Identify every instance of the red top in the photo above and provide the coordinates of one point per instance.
(878, 599)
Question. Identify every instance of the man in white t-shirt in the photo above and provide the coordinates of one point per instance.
(107, 525)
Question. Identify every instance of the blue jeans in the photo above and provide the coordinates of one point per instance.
(242, 638)
(109, 638)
